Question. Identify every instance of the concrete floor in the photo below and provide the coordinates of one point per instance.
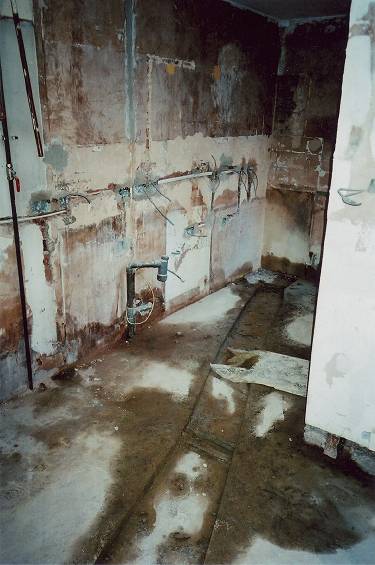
(144, 456)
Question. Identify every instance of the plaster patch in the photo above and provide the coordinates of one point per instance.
(40, 295)
(56, 156)
(180, 63)
(191, 465)
(67, 506)
(175, 381)
(231, 73)
(336, 368)
(300, 329)
(261, 275)
(274, 406)
(183, 514)
(221, 390)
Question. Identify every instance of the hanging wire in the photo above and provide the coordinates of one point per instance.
(252, 179)
(144, 186)
(80, 195)
(176, 275)
(155, 184)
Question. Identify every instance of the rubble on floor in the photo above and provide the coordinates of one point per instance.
(275, 370)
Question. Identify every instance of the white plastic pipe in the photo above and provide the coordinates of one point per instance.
(184, 177)
(31, 218)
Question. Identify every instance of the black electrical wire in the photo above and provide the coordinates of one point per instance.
(155, 185)
(80, 195)
(144, 186)
(176, 275)
(252, 179)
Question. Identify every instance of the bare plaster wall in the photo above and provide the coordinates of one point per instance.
(121, 105)
(341, 392)
(307, 100)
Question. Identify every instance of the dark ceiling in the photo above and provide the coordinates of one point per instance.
(290, 9)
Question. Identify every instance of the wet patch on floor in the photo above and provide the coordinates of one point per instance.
(292, 331)
(101, 432)
(274, 406)
(177, 464)
(283, 502)
(173, 522)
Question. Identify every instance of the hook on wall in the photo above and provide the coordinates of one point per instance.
(347, 194)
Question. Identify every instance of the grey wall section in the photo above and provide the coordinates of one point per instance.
(307, 100)
(31, 172)
(132, 91)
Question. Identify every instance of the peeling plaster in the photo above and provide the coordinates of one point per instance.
(40, 294)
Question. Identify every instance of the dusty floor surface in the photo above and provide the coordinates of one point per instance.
(144, 456)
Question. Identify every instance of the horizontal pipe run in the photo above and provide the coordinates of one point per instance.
(169, 180)
(184, 177)
(152, 265)
(31, 218)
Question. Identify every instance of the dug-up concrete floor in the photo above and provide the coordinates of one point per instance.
(146, 456)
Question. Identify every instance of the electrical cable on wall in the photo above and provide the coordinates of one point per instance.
(253, 181)
(214, 176)
(155, 185)
(144, 186)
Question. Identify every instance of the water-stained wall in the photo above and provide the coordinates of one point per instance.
(131, 92)
(307, 101)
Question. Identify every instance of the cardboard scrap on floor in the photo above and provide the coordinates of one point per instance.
(281, 372)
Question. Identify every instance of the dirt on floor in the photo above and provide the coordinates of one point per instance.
(145, 456)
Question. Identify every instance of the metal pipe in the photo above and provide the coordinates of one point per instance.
(184, 177)
(130, 295)
(161, 266)
(140, 265)
(169, 180)
(26, 75)
(17, 243)
(35, 217)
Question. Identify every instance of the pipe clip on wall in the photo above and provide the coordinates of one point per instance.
(43, 208)
(142, 308)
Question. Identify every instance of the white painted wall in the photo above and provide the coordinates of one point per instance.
(341, 393)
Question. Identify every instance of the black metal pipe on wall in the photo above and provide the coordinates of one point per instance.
(11, 180)
(130, 291)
